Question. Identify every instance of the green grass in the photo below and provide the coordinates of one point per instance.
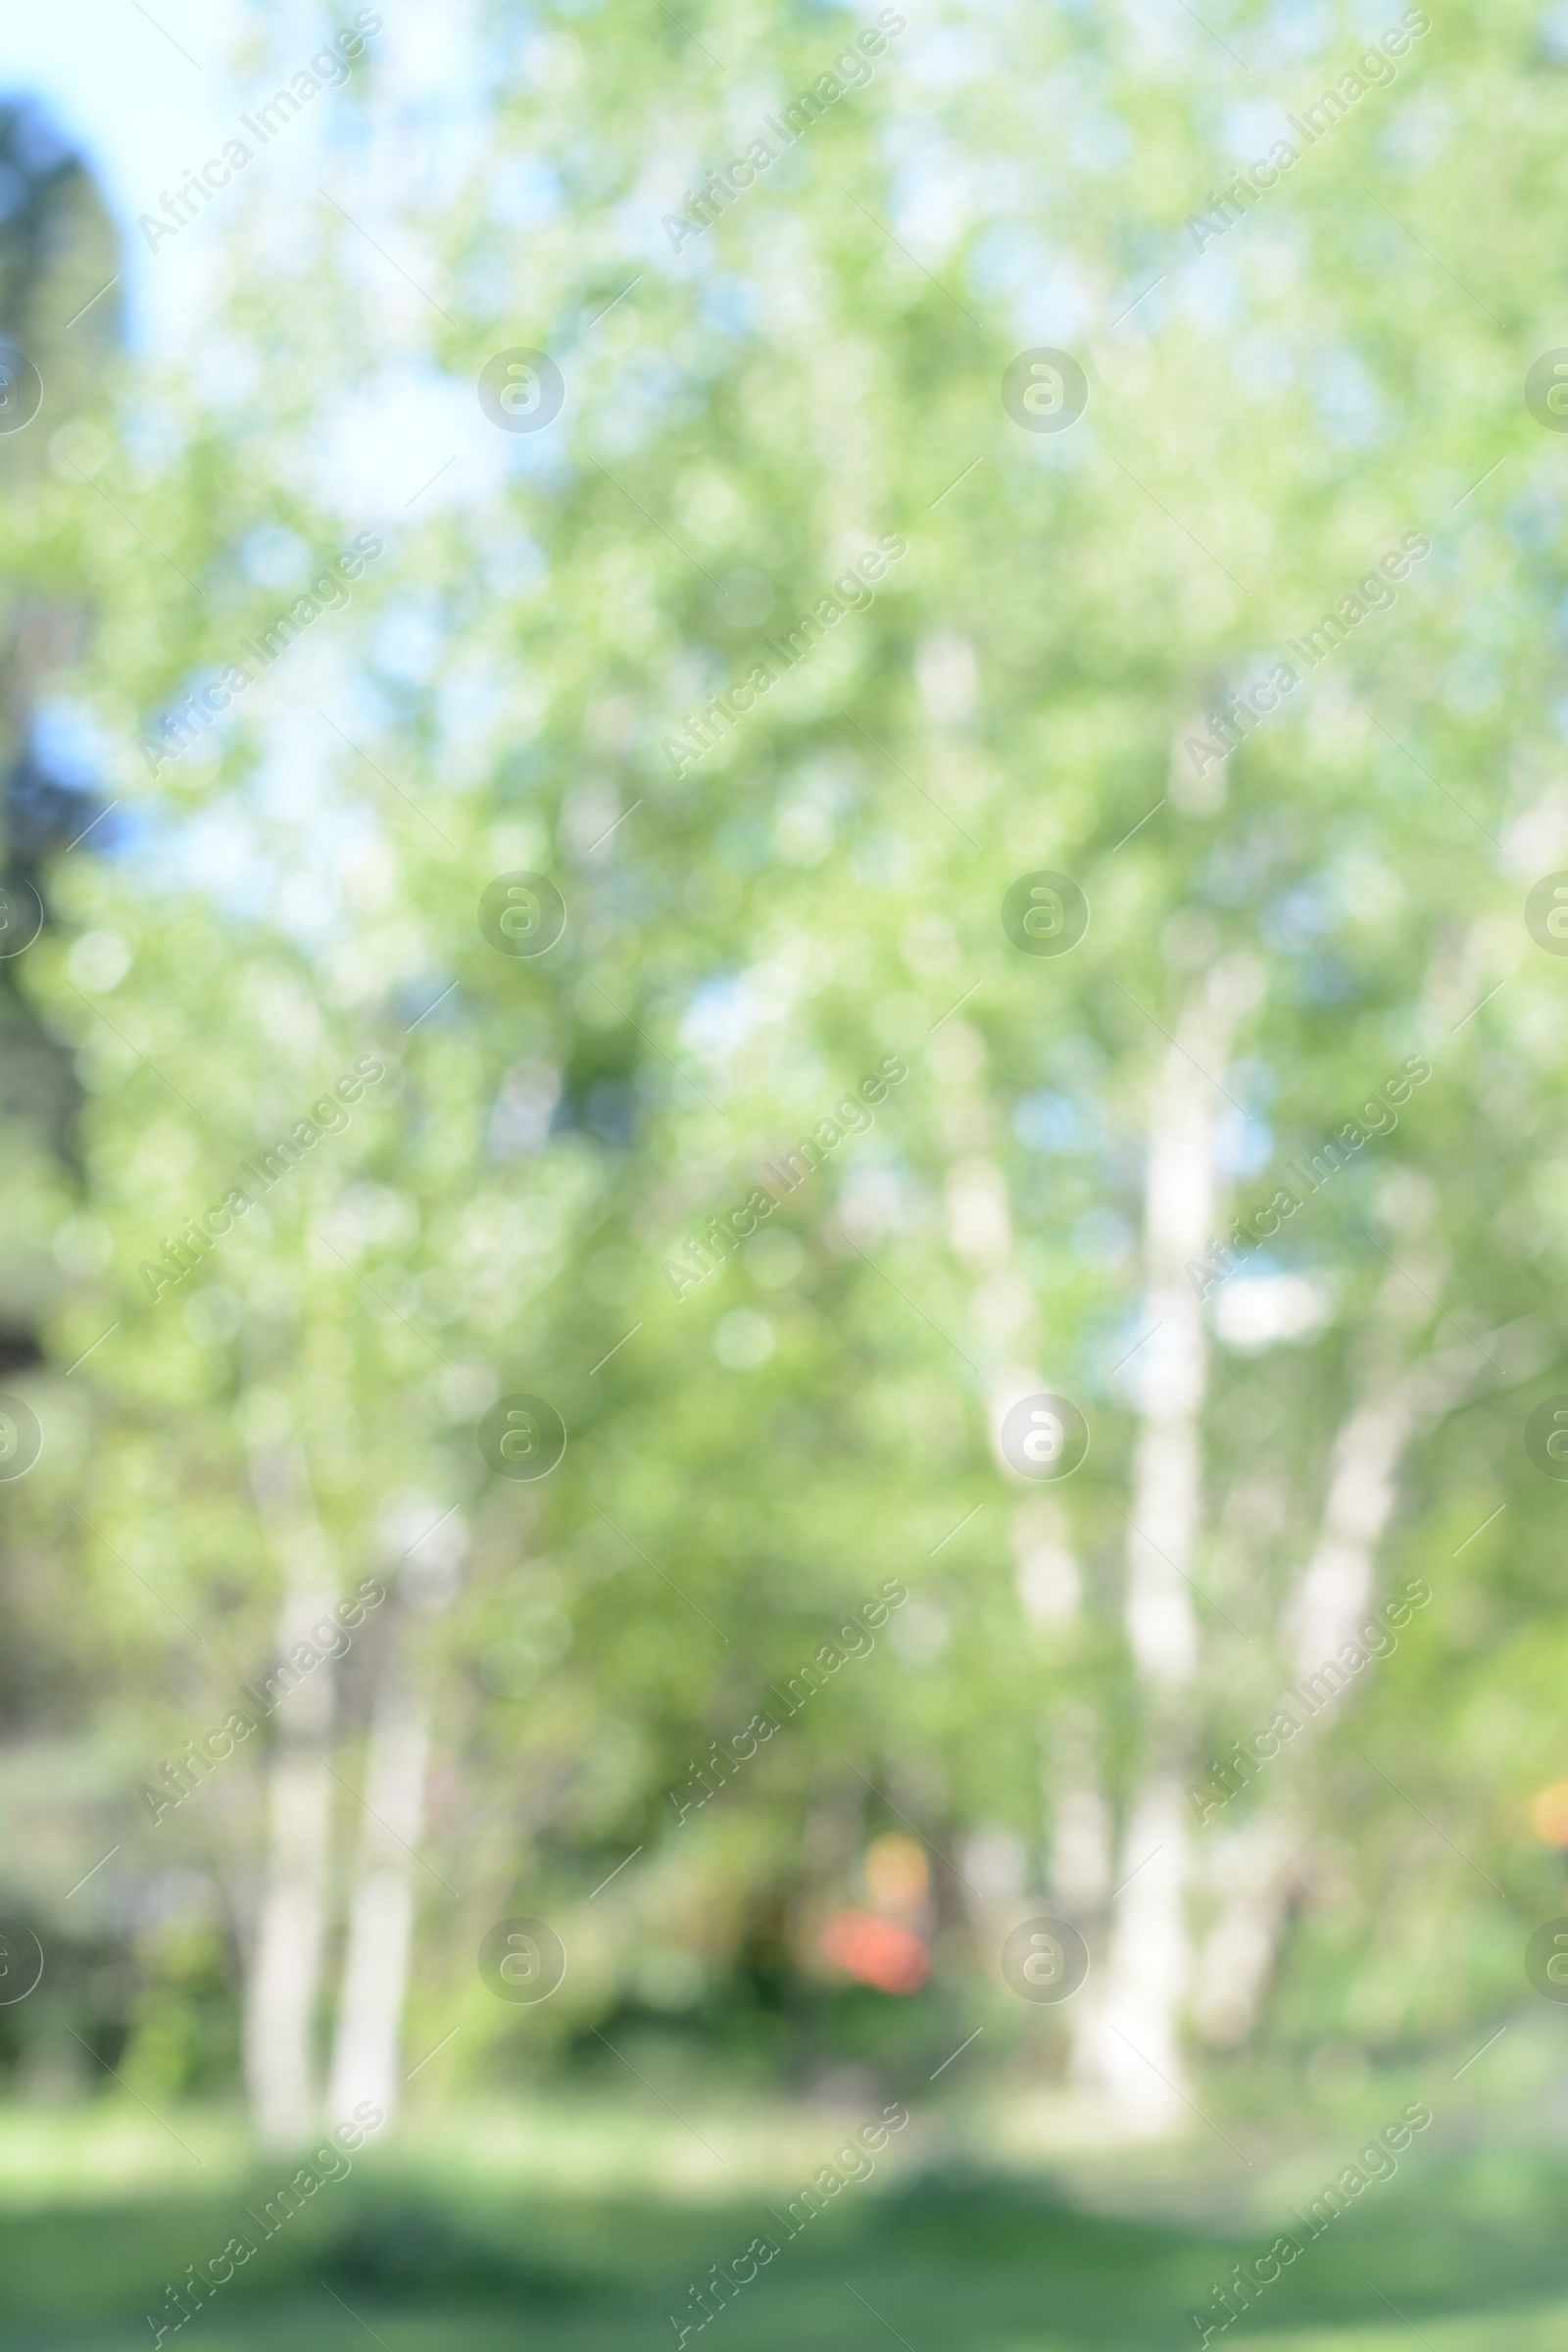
(465, 2248)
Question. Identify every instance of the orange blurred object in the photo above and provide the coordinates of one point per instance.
(875, 1950)
(898, 1876)
(1548, 1813)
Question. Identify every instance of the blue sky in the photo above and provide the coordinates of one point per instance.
(149, 88)
(142, 94)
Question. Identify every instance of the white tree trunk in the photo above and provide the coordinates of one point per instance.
(1080, 1828)
(1335, 1594)
(1081, 1825)
(1128, 2041)
(1251, 1879)
(1328, 1607)
(366, 2060)
(283, 1983)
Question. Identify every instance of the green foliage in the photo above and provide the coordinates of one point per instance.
(750, 1461)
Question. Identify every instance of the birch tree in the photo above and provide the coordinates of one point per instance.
(284, 1981)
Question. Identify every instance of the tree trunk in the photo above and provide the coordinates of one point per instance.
(1328, 1607)
(1250, 1877)
(1128, 2038)
(1335, 1592)
(283, 1983)
(366, 2061)
(1081, 1822)
(1080, 1830)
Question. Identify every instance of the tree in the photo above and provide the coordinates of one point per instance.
(782, 650)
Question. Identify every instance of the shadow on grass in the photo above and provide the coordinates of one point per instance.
(944, 2264)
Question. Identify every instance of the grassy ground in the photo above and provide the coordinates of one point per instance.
(480, 2239)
